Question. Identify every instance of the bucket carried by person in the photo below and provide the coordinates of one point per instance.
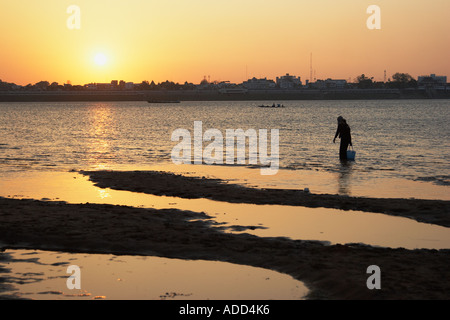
(351, 154)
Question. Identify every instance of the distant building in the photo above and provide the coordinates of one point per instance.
(224, 84)
(114, 85)
(288, 82)
(91, 86)
(432, 81)
(204, 84)
(329, 84)
(105, 86)
(129, 86)
(259, 84)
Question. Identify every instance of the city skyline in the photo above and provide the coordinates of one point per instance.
(298, 80)
(226, 41)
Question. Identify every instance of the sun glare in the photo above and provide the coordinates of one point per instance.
(100, 59)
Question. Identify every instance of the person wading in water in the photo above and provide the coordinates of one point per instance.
(343, 131)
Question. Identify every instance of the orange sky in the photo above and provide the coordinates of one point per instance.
(182, 40)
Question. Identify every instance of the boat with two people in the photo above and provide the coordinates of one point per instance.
(272, 106)
(163, 101)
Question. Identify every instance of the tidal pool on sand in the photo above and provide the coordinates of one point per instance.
(42, 275)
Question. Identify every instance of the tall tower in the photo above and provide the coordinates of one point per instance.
(310, 69)
(384, 76)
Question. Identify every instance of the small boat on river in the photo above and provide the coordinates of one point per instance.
(272, 106)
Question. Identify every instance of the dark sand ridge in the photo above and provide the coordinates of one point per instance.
(170, 184)
(331, 272)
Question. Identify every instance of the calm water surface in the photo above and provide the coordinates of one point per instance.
(393, 138)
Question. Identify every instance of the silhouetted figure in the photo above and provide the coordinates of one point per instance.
(343, 131)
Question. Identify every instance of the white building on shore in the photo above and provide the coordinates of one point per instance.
(329, 84)
(259, 84)
(289, 82)
(432, 81)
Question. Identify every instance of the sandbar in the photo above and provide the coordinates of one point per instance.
(329, 271)
(163, 183)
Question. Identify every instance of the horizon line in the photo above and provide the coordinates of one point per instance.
(69, 82)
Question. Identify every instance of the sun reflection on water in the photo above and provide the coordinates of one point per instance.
(102, 133)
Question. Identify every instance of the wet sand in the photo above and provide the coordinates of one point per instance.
(329, 271)
(170, 184)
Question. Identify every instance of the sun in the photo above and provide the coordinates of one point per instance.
(100, 59)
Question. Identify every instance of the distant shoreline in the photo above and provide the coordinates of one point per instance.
(215, 95)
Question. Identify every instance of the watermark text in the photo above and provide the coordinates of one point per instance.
(229, 149)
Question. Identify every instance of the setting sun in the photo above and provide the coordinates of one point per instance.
(100, 59)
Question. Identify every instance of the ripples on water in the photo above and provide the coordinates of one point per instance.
(393, 138)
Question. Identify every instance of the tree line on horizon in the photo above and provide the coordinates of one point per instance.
(399, 81)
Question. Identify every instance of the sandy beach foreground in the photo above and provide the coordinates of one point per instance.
(329, 271)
